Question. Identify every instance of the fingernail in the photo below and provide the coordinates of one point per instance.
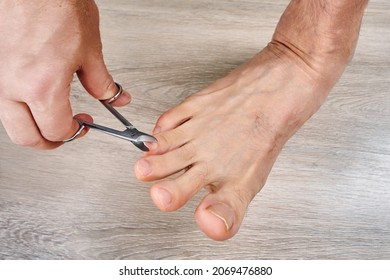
(164, 196)
(156, 130)
(224, 213)
(143, 168)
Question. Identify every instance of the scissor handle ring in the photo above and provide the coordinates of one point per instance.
(116, 96)
(77, 133)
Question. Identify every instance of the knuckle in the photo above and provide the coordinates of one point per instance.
(170, 140)
(188, 152)
(109, 85)
(165, 118)
(163, 142)
(176, 116)
(243, 197)
(38, 93)
(38, 85)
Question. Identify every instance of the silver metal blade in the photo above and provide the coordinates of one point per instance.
(146, 138)
(130, 134)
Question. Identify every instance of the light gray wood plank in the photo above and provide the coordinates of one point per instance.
(327, 196)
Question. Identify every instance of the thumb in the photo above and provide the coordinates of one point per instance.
(96, 79)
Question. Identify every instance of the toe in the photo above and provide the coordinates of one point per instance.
(170, 195)
(173, 118)
(216, 219)
(156, 167)
(171, 139)
(220, 214)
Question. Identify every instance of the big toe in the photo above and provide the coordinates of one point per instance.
(220, 214)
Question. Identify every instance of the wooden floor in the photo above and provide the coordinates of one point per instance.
(328, 196)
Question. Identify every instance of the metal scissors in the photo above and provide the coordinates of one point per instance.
(130, 133)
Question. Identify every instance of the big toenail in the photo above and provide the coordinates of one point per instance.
(143, 167)
(223, 212)
(164, 197)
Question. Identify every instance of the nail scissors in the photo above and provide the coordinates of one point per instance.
(130, 133)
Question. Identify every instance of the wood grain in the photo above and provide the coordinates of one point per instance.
(328, 194)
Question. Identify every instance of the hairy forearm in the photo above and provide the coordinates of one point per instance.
(320, 32)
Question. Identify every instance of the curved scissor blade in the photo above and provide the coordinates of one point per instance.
(130, 134)
(146, 138)
(141, 146)
(139, 142)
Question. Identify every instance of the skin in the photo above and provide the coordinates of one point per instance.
(249, 114)
(48, 41)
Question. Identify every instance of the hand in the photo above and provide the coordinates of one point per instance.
(44, 43)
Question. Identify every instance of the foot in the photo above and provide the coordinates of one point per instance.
(227, 137)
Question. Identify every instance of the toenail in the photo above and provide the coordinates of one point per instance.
(143, 168)
(156, 130)
(164, 197)
(224, 213)
(151, 145)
